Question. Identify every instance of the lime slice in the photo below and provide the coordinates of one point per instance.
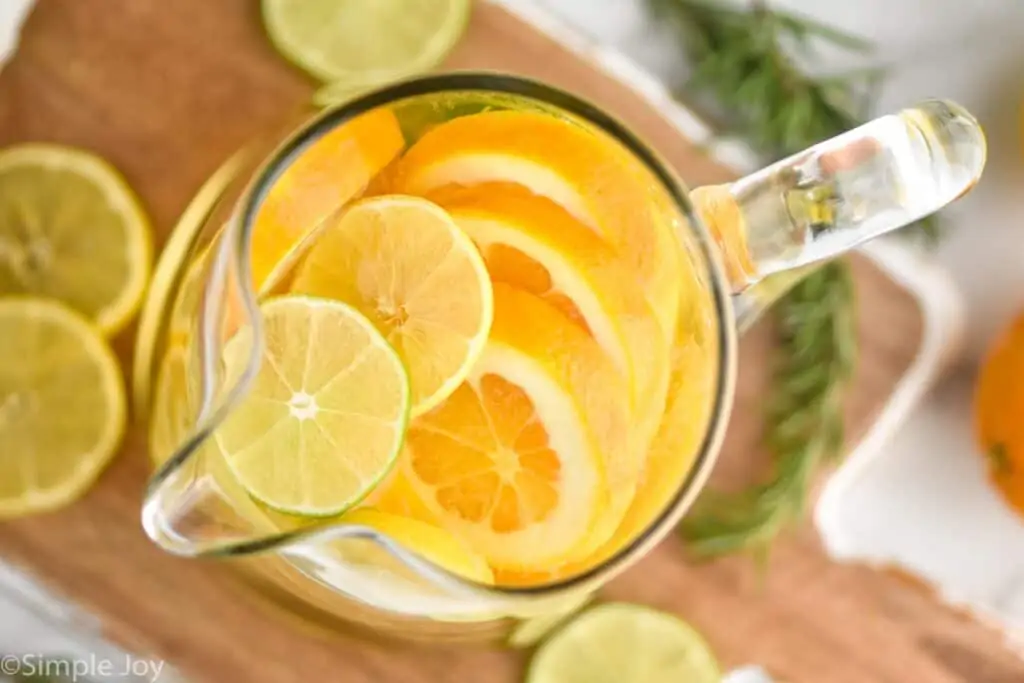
(324, 419)
(406, 266)
(620, 642)
(72, 230)
(62, 405)
(359, 44)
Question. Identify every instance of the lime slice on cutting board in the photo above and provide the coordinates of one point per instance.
(324, 418)
(359, 44)
(618, 642)
(62, 405)
(71, 229)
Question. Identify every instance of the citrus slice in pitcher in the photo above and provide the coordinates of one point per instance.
(430, 542)
(405, 265)
(532, 244)
(579, 169)
(323, 420)
(323, 177)
(514, 460)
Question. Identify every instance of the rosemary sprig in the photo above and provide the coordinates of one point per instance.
(746, 68)
(745, 65)
(805, 418)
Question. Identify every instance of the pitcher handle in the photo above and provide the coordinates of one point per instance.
(773, 225)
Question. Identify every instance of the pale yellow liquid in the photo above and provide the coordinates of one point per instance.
(230, 511)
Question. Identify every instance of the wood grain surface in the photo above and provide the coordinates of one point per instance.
(166, 90)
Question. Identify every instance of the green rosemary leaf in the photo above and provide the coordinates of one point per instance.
(800, 24)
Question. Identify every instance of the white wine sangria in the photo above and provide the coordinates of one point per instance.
(456, 352)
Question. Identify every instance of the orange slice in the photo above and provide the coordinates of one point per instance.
(332, 171)
(513, 461)
(405, 265)
(534, 245)
(580, 169)
(676, 444)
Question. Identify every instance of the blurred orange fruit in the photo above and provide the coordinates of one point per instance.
(998, 413)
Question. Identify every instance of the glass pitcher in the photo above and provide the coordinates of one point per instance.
(804, 209)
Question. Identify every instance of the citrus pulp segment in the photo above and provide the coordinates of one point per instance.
(431, 542)
(332, 171)
(405, 265)
(365, 43)
(324, 418)
(62, 405)
(71, 229)
(514, 460)
(617, 642)
(580, 169)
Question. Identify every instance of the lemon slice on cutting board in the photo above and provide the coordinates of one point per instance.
(324, 418)
(62, 405)
(71, 229)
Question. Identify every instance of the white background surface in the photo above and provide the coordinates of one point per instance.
(925, 502)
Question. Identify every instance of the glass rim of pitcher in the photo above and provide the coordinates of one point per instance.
(480, 81)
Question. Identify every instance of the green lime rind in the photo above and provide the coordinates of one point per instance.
(617, 642)
(240, 420)
(363, 44)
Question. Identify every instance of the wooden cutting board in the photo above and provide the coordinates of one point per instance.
(166, 90)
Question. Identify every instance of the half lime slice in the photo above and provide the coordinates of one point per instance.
(357, 44)
(618, 642)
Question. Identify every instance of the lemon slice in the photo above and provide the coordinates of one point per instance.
(405, 265)
(324, 419)
(62, 405)
(618, 642)
(360, 43)
(430, 542)
(71, 229)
